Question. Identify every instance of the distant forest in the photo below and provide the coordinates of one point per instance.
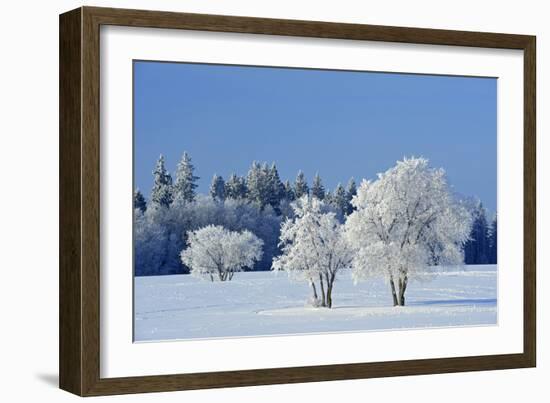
(258, 202)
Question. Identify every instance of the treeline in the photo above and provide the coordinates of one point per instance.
(481, 248)
(257, 202)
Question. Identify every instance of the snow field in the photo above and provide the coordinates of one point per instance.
(269, 303)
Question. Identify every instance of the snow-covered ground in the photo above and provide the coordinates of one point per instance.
(269, 303)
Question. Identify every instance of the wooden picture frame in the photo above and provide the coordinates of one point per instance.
(79, 280)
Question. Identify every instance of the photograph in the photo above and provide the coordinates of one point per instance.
(273, 201)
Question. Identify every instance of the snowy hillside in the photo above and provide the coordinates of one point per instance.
(268, 303)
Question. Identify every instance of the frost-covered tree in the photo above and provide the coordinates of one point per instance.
(405, 222)
(139, 201)
(217, 188)
(161, 195)
(186, 181)
(257, 183)
(476, 250)
(235, 187)
(339, 200)
(317, 188)
(149, 243)
(264, 186)
(216, 252)
(350, 192)
(314, 248)
(157, 242)
(237, 215)
(289, 191)
(300, 186)
(161, 234)
(276, 188)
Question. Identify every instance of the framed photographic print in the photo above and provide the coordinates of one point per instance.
(249, 201)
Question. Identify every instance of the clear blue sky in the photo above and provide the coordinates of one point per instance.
(340, 124)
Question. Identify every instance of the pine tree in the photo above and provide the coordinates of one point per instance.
(139, 201)
(217, 188)
(253, 182)
(257, 183)
(476, 249)
(317, 188)
(339, 199)
(328, 197)
(235, 187)
(350, 192)
(493, 241)
(300, 186)
(161, 195)
(185, 185)
(276, 187)
(289, 191)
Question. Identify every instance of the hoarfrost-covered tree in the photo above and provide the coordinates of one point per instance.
(300, 186)
(235, 187)
(317, 188)
(156, 243)
(476, 249)
(217, 188)
(185, 183)
(289, 191)
(139, 201)
(339, 200)
(276, 188)
(264, 186)
(216, 252)
(161, 195)
(406, 221)
(350, 192)
(314, 248)
(257, 183)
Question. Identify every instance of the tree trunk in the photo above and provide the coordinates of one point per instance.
(314, 290)
(220, 272)
(323, 300)
(211, 277)
(393, 292)
(330, 281)
(402, 289)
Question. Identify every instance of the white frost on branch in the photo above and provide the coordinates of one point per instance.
(216, 252)
(406, 221)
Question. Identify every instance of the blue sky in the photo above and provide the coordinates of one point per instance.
(339, 124)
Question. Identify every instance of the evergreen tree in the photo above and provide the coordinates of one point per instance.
(300, 186)
(276, 187)
(217, 188)
(258, 184)
(350, 192)
(185, 185)
(328, 197)
(493, 249)
(317, 188)
(235, 187)
(139, 201)
(289, 191)
(161, 195)
(339, 200)
(476, 249)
